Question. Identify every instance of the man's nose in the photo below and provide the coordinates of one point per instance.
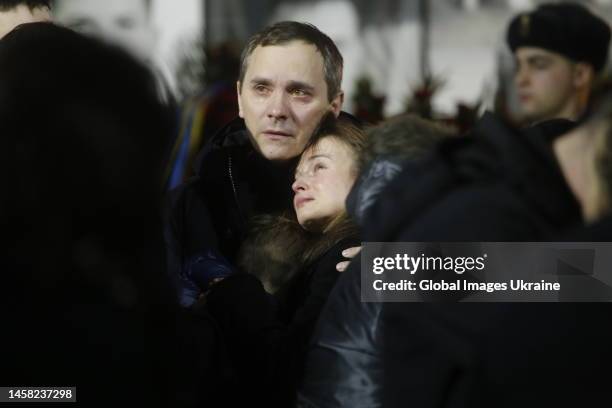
(521, 78)
(278, 108)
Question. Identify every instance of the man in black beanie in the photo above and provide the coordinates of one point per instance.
(560, 49)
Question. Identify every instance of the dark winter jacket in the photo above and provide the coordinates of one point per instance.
(267, 337)
(496, 185)
(233, 183)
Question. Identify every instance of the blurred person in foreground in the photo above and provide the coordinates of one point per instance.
(15, 12)
(561, 50)
(84, 291)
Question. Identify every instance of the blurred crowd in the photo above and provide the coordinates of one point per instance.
(205, 251)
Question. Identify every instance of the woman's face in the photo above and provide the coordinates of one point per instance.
(323, 180)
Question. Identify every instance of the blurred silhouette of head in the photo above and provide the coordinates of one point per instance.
(82, 137)
(80, 162)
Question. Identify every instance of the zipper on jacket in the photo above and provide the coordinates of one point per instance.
(233, 183)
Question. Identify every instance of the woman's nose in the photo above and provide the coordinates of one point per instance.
(299, 185)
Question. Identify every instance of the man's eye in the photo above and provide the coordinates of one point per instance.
(298, 92)
(319, 166)
(540, 64)
(260, 88)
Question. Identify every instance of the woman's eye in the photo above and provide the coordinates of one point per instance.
(319, 166)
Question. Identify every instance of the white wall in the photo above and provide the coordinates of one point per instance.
(176, 21)
(464, 46)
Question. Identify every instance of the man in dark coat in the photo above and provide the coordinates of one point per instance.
(500, 185)
(290, 78)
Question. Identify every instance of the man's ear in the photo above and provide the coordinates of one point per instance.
(336, 103)
(583, 75)
(238, 86)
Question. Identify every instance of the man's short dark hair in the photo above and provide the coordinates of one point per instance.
(6, 5)
(288, 31)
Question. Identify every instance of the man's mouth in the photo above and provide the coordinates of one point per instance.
(276, 134)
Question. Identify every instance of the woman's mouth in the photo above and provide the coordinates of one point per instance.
(300, 201)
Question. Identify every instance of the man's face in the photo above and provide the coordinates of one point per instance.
(545, 84)
(283, 98)
(21, 15)
(123, 22)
